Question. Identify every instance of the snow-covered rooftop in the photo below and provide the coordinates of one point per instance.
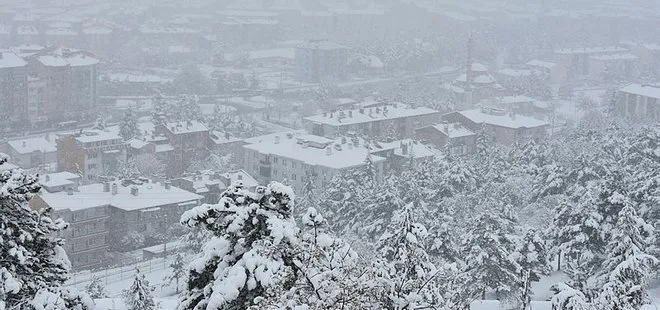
(67, 57)
(93, 135)
(335, 155)
(58, 179)
(502, 119)
(366, 115)
(186, 127)
(11, 60)
(321, 45)
(592, 50)
(149, 195)
(35, 144)
(541, 63)
(455, 130)
(625, 56)
(652, 91)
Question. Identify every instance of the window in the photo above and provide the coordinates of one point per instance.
(293, 177)
(91, 166)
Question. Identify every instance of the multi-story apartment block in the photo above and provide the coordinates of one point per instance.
(211, 185)
(71, 78)
(293, 157)
(576, 60)
(453, 138)
(101, 214)
(91, 153)
(319, 60)
(189, 140)
(32, 152)
(639, 101)
(13, 90)
(396, 121)
(501, 127)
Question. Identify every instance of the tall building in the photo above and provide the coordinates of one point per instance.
(13, 90)
(318, 60)
(91, 153)
(71, 78)
(639, 101)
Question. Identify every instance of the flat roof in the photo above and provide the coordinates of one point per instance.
(11, 60)
(369, 115)
(504, 120)
(347, 157)
(150, 195)
(30, 145)
(652, 91)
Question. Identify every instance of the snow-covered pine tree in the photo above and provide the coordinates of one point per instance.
(335, 277)
(100, 123)
(178, 271)
(96, 288)
(138, 296)
(250, 261)
(489, 263)
(406, 266)
(128, 128)
(34, 265)
(568, 298)
(532, 255)
(626, 270)
(160, 110)
(442, 243)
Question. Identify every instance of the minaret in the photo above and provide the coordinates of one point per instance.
(468, 74)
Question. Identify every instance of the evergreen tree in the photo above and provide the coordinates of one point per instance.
(178, 271)
(250, 260)
(138, 296)
(160, 110)
(128, 129)
(568, 298)
(489, 264)
(95, 288)
(406, 266)
(627, 267)
(34, 266)
(532, 256)
(100, 123)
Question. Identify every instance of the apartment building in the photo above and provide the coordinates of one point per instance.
(576, 61)
(454, 138)
(387, 120)
(501, 127)
(90, 153)
(292, 157)
(13, 90)
(318, 60)
(211, 184)
(639, 101)
(32, 152)
(71, 78)
(101, 214)
(189, 142)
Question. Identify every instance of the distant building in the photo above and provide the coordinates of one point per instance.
(319, 60)
(189, 140)
(71, 78)
(501, 127)
(576, 60)
(475, 85)
(296, 156)
(13, 91)
(639, 101)
(100, 215)
(91, 153)
(455, 138)
(32, 152)
(385, 120)
(554, 73)
(212, 184)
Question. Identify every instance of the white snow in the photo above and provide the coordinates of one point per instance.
(652, 91)
(11, 60)
(30, 145)
(354, 116)
(505, 120)
(150, 195)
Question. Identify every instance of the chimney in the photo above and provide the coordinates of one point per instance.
(106, 187)
(328, 151)
(361, 110)
(47, 178)
(404, 149)
(168, 184)
(343, 140)
(239, 176)
(277, 140)
(114, 189)
(69, 191)
(134, 190)
(350, 113)
(446, 127)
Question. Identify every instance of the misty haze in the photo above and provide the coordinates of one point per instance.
(330, 154)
